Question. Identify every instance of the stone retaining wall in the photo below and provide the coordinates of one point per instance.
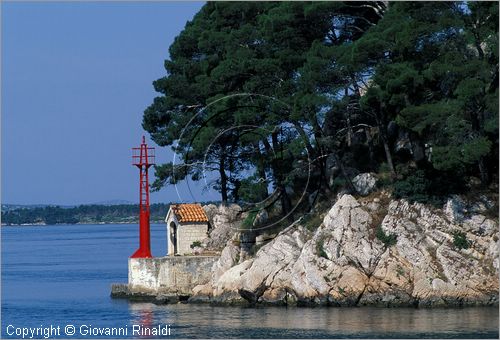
(172, 275)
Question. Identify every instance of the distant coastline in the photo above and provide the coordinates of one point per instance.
(42, 224)
(83, 214)
(42, 215)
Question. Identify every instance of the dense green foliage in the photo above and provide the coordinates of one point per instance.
(278, 98)
(121, 213)
(415, 187)
(427, 185)
(460, 240)
(387, 239)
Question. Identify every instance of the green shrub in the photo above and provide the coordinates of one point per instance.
(460, 240)
(322, 253)
(387, 239)
(320, 250)
(427, 186)
(384, 175)
(247, 223)
(400, 271)
(414, 187)
(195, 244)
(312, 221)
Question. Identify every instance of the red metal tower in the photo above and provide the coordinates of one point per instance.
(143, 157)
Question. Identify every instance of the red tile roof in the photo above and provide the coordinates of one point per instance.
(189, 213)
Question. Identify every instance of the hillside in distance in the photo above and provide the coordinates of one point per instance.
(83, 214)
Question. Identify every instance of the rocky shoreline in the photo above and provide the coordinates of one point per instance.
(344, 263)
(366, 251)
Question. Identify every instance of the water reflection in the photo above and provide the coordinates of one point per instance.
(210, 321)
(142, 314)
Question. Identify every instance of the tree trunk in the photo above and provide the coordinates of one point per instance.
(483, 172)
(344, 173)
(235, 191)
(223, 180)
(388, 155)
(261, 170)
(385, 142)
(286, 203)
(277, 174)
(371, 152)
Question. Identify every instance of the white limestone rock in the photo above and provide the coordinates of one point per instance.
(365, 183)
(225, 221)
(344, 263)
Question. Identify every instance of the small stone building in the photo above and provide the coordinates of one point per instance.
(186, 224)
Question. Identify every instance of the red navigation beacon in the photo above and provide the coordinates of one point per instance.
(143, 157)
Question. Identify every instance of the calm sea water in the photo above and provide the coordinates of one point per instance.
(61, 275)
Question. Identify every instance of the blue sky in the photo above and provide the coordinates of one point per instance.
(76, 78)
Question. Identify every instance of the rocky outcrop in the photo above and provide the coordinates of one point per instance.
(344, 263)
(225, 221)
(365, 183)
